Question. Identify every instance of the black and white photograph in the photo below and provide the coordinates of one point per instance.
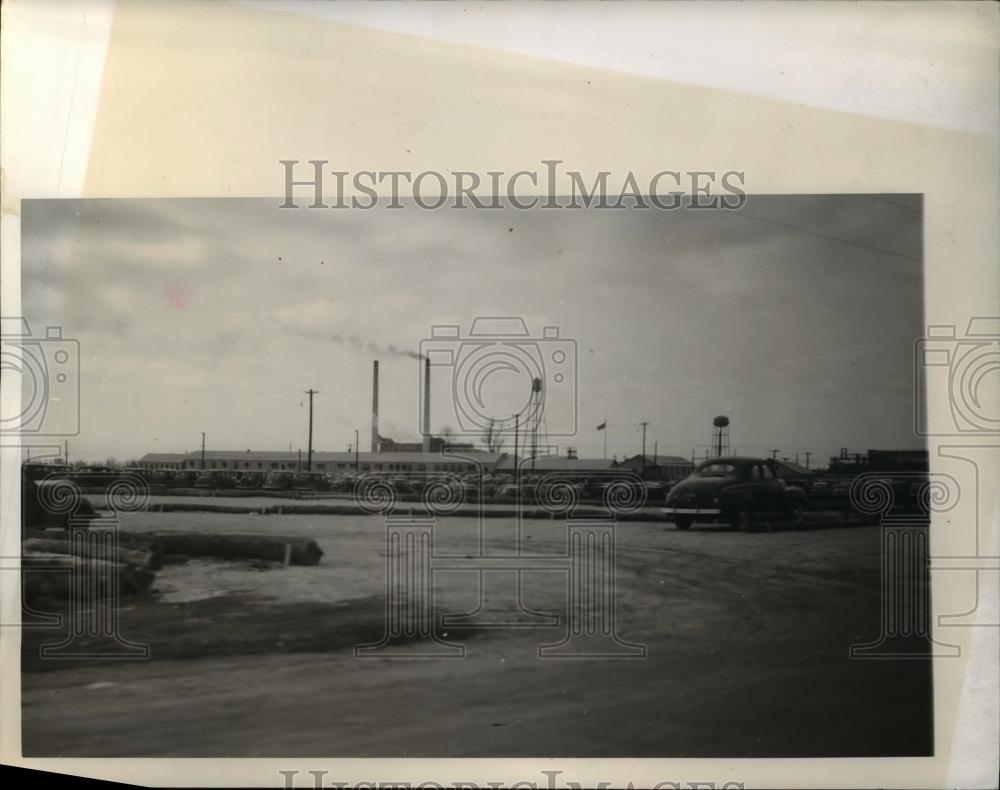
(578, 482)
(498, 395)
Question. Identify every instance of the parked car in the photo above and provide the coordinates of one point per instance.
(279, 481)
(139, 472)
(736, 491)
(215, 479)
(311, 481)
(252, 480)
(656, 491)
(821, 488)
(36, 503)
(163, 477)
(185, 478)
(38, 471)
(842, 489)
(95, 476)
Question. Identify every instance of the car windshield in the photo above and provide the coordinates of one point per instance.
(717, 470)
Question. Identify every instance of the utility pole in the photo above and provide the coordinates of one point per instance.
(66, 451)
(357, 466)
(298, 467)
(656, 454)
(774, 455)
(517, 423)
(203, 451)
(644, 424)
(309, 458)
(807, 459)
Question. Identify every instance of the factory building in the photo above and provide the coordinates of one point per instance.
(163, 461)
(330, 463)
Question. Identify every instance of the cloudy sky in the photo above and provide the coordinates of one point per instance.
(796, 317)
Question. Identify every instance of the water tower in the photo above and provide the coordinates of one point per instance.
(720, 436)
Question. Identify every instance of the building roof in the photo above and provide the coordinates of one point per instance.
(452, 456)
(794, 469)
(160, 458)
(561, 463)
(660, 460)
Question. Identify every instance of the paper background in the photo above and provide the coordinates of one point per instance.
(203, 99)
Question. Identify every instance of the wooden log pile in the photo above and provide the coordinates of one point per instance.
(123, 556)
(52, 574)
(291, 550)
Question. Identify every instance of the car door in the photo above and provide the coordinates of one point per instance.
(773, 488)
(758, 489)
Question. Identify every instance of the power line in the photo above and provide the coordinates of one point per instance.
(893, 203)
(825, 236)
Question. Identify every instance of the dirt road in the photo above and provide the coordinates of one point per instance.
(746, 638)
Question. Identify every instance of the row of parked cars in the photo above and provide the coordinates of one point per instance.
(218, 479)
(741, 491)
(530, 487)
(103, 476)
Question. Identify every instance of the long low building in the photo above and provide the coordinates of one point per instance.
(331, 463)
(660, 467)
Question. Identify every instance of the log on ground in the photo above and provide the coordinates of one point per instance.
(47, 574)
(299, 551)
(119, 554)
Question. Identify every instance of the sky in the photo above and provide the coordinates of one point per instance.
(796, 317)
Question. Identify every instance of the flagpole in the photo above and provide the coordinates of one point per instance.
(605, 438)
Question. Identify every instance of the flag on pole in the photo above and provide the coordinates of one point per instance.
(602, 426)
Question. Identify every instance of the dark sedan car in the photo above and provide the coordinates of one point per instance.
(185, 478)
(95, 476)
(735, 491)
(311, 481)
(252, 480)
(215, 479)
(279, 481)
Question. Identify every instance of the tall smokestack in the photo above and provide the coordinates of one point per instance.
(427, 405)
(375, 441)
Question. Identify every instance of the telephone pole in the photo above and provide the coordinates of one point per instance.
(309, 457)
(774, 455)
(357, 466)
(517, 423)
(807, 459)
(644, 424)
(203, 451)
